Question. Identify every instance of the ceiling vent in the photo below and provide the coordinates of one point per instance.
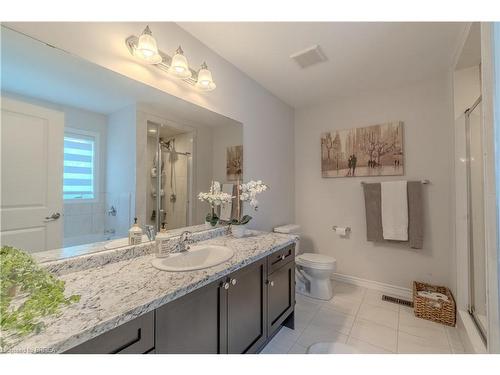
(309, 56)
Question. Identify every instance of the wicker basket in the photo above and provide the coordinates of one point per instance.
(438, 311)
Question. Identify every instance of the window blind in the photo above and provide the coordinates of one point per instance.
(79, 160)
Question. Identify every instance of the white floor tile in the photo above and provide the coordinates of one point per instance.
(348, 291)
(365, 348)
(454, 340)
(410, 344)
(278, 345)
(331, 319)
(288, 334)
(313, 334)
(303, 315)
(375, 334)
(344, 305)
(297, 349)
(357, 317)
(380, 315)
(374, 297)
(425, 329)
(305, 300)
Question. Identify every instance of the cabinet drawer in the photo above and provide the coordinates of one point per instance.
(280, 258)
(134, 337)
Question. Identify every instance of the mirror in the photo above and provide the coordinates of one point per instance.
(86, 150)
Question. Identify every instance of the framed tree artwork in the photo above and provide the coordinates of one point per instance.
(375, 150)
(234, 163)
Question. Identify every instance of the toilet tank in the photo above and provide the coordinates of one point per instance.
(290, 229)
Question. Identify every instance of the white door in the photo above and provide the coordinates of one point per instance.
(32, 174)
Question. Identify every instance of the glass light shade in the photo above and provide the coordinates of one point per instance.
(179, 66)
(205, 81)
(147, 49)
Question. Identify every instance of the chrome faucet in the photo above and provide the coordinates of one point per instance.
(184, 241)
(150, 232)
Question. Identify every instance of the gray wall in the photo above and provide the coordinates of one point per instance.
(427, 113)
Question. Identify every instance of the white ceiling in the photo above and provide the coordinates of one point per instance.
(361, 56)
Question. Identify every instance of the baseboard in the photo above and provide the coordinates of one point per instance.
(388, 289)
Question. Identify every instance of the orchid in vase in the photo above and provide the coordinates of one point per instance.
(246, 193)
(214, 197)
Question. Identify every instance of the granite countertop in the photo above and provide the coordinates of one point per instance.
(117, 292)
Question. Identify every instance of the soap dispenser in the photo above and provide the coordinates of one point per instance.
(135, 234)
(162, 240)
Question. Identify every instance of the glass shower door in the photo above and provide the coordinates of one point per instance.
(475, 190)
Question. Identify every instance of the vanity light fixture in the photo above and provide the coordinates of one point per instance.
(146, 49)
(179, 66)
(205, 81)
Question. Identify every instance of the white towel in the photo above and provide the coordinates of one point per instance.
(394, 199)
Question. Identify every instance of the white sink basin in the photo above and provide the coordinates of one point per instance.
(196, 258)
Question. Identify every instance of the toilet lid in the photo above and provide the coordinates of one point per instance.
(331, 348)
(315, 259)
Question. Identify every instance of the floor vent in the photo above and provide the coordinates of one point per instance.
(397, 300)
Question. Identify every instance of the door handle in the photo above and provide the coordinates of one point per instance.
(53, 217)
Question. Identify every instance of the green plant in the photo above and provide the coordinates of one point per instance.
(41, 293)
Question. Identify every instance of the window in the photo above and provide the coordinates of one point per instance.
(79, 180)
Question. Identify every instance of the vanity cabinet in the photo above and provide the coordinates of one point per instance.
(236, 314)
(134, 337)
(280, 296)
(227, 316)
(246, 308)
(193, 324)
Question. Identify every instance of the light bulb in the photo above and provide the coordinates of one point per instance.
(146, 48)
(205, 81)
(179, 66)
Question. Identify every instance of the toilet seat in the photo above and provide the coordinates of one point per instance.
(316, 261)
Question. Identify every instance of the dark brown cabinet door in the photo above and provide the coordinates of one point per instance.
(134, 337)
(280, 296)
(246, 309)
(193, 324)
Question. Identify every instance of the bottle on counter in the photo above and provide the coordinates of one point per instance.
(162, 239)
(135, 234)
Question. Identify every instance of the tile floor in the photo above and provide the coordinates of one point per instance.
(358, 316)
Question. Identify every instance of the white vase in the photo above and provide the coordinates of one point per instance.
(238, 231)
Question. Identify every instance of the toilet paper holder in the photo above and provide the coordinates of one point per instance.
(347, 229)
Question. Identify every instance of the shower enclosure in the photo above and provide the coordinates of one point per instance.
(169, 158)
(475, 217)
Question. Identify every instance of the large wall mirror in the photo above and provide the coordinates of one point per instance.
(85, 150)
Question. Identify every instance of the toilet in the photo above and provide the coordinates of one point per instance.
(313, 271)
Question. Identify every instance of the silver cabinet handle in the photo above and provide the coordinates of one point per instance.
(271, 283)
(225, 286)
(52, 217)
(233, 281)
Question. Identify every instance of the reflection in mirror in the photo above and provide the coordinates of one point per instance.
(86, 150)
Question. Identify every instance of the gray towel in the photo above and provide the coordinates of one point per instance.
(373, 212)
(415, 215)
(373, 208)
